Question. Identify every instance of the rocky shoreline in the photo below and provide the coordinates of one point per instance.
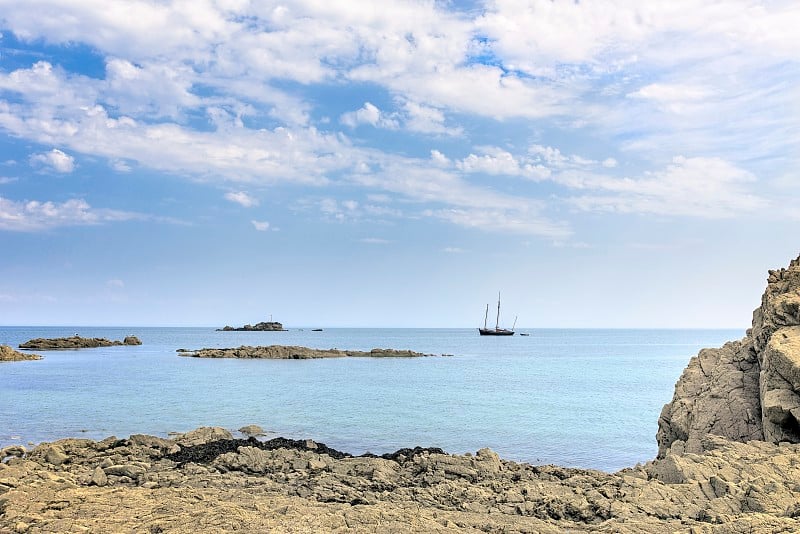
(76, 342)
(206, 480)
(289, 352)
(728, 461)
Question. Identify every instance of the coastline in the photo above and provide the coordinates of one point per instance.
(205, 480)
(728, 444)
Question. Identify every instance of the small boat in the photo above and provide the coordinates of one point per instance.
(496, 331)
(316, 329)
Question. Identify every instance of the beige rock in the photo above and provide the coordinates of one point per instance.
(7, 354)
(202, 435)
(288, 352)
(748, 389)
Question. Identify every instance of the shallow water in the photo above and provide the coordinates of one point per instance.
(585, 398)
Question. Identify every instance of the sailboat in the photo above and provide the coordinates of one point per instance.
(496, 331)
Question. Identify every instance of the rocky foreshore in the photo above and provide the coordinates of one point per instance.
(76, 342)
(7, 354)
(207, 481)
(728, 462)
(288, 352)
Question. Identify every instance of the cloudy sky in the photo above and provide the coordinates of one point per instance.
(608, 163)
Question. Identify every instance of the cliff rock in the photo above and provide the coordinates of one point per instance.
(748, 389)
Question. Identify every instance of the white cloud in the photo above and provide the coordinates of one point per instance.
(693, 187)
(120, 165)
(30, 216)
(453, 250)
(369, 114)
(261, 226)
(374, 241)
(115, 283)
(54, 160)
(242, 198)
(7, 180)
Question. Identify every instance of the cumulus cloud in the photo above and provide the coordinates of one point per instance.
(54, 160)
(242, 198)
(34, 215)
(369, 114)
(261, 226)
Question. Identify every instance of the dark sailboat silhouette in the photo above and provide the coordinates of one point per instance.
(496, 331)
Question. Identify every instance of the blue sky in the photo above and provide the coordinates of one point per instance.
(603, 164)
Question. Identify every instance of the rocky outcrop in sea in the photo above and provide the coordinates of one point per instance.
(7, 354)
(76, 342)
(747, 389)
(288, 352)
(267, 326)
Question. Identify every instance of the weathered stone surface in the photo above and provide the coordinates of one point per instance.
(75, 342)
(238, 485)
(7, 354)
(749, 389)
(202, 435)
(288, 352)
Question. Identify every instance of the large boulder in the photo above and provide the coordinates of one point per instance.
(745, 390)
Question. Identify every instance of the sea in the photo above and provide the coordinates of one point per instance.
(585, 398)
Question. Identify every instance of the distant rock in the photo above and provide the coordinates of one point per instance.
(76, 342)
(268, 326)
(7, 354)
(283, 352)
(252, 430)
(748, 389)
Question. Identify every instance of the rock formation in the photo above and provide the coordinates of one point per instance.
(284, 352)
(76, 342)
(267, 326)
(748, 389)
(205, 481)
(7, 354)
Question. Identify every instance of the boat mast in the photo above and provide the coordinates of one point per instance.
(497, 323)
(486, 317)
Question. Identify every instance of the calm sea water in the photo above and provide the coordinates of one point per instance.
(586, 398)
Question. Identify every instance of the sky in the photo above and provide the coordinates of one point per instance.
(609, 163)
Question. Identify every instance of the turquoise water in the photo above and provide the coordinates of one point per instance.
(585, 398)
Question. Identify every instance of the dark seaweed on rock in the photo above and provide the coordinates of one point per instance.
(208, 452)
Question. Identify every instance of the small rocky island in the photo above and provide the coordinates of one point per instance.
(7, 354)
(76, 342)
(287, 352)
(266, 326)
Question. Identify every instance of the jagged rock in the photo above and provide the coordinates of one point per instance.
(248, 485)
(284, 352)
(55, 455)
(75, 342)
(748, 389)
(7, 354)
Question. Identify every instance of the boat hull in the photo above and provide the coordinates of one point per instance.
(495, 332)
